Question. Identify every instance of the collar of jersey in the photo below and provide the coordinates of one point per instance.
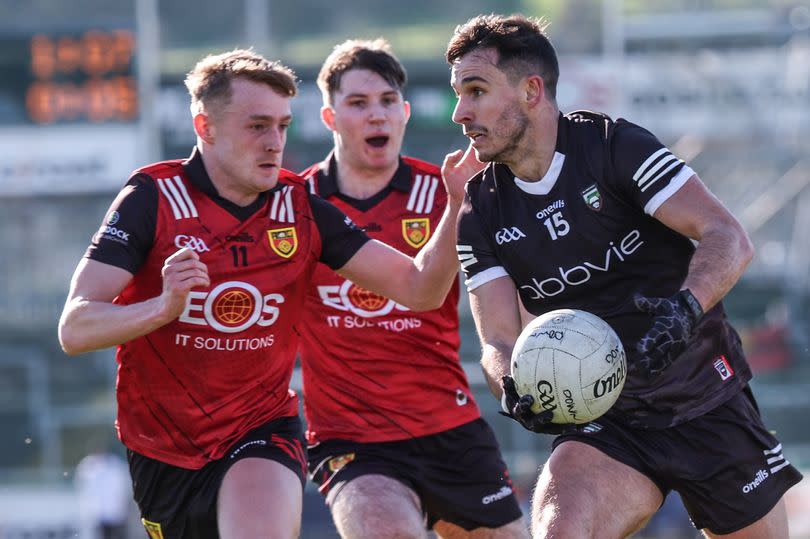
(327, 177)
(547, 182)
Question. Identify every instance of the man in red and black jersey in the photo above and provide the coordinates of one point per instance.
(397, 444)
(199, 274)
(576, 210)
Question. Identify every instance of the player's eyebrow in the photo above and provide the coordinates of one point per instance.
(473, 78)
(361, 94)
(268, 118)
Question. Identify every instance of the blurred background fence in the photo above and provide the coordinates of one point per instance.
(91, 89)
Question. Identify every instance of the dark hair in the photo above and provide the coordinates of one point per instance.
(210, 80)
(521, 43)
(374, 55)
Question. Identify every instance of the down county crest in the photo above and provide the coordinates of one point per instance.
(592, 198)
(284, 241)
(416, 231)
(154, 529)
(336, 463)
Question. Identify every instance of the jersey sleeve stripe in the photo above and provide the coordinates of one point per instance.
(184, 196)
(274, 205)
(288, 205)
(434, 183)
(175, 209)
(420, 205)
(662, 174)
(674, 184)
(417, 183)
(489, 274)
(178, 198)
(649, 174)
(643, 168)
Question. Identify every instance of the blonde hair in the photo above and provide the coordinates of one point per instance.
(209, 83)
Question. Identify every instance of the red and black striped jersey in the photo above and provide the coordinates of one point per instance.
(373, 370)
(190, 389)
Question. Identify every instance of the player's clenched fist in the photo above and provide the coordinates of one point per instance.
(181, 272)
(457, 168)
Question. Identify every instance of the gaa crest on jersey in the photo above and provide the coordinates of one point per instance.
(416, 231)
(339, 462)
(284, 241)
(592, 198)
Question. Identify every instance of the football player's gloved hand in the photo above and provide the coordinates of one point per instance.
(519, 408)
(674, 320)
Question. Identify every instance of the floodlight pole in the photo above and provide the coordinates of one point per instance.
(147, 39)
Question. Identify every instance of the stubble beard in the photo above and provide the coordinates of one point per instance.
(517, 123)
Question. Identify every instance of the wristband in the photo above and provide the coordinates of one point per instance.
(693, 304)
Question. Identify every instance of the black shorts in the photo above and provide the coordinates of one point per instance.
(727, 467)
(458, 474)
(180, 503)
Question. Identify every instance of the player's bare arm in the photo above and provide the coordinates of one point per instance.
(724, 249)
(496, 313)
(420, 283)
(90, 321)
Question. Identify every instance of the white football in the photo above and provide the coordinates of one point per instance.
(571, 362)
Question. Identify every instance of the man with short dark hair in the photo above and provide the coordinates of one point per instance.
(607, 216)
(397, 443)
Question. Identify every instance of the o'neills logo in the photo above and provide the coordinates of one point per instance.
(605, 385)
(284, 241)
(416, 231)
(500, 495)
(762, 475)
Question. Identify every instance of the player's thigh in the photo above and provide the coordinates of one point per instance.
(377, 506)
(514, 530)
(259, 498)
(584, 493)
(774, 525)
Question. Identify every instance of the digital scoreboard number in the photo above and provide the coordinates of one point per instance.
(57, 78)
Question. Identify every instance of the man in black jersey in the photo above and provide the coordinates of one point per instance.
(198, 276)
(579, 211)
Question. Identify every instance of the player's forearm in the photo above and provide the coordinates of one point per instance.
(495, 364)
(718, 262)
(436, 265)
(88, 325)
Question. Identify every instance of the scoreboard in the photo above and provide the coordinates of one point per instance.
(68, 77)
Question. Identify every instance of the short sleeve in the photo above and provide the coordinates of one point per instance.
(340, 237)
(128, 230)
(476, 256)
(644, 167)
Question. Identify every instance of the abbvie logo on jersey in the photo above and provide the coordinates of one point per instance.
(582, 272)
(505, 235)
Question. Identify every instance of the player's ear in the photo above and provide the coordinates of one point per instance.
(534, 89)
(203, 127)
(407, 106)
(328, 117)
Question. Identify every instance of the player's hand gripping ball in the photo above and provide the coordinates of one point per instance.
(674, 320)
(568, 368)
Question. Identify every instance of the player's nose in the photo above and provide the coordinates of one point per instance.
(461, 112)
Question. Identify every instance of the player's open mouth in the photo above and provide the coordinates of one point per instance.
(377, 142)
(267, 166)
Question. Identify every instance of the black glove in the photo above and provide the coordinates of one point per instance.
(519, 408)
(674, 321)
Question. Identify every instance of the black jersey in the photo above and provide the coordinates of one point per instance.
(583, 237)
